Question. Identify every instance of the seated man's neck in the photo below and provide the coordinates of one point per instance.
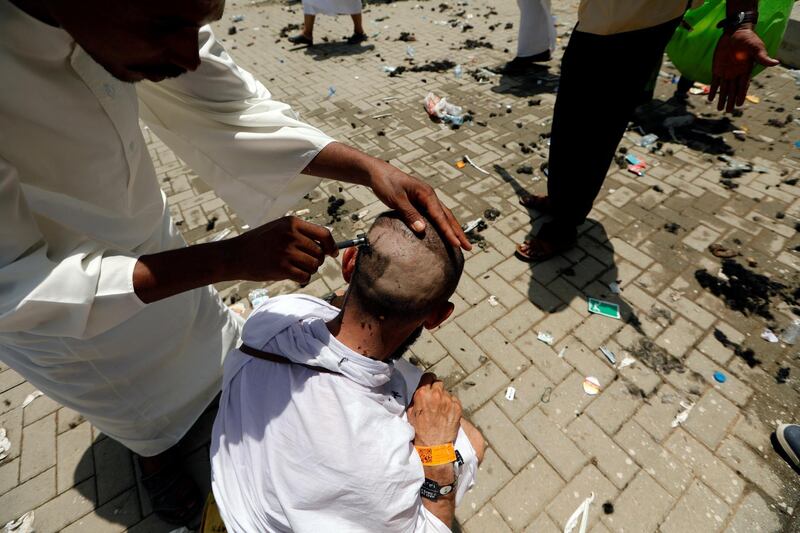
(367, 335)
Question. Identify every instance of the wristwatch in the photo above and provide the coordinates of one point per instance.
(737, 19)
(432, 490)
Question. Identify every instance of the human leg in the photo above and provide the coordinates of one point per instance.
(597, 95)
(358, 30)
(536, 36)
(307, 37)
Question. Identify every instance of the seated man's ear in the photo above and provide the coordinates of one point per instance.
(439, 315)
(349, 262)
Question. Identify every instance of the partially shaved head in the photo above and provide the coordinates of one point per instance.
(402, 276)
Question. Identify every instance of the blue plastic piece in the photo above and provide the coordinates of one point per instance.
(720, 377)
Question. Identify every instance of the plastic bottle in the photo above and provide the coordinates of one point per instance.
(410, 51)
(648, 139)
(790, 334)
(458, 71)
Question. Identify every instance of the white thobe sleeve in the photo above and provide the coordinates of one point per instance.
(225, 125)
(49, 289)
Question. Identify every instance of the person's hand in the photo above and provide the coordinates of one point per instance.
(407, 194)
(734, 58)
(434, 413)
(286, 248)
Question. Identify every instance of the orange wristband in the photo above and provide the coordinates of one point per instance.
(441, 454)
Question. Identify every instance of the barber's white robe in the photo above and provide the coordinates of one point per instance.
(537, 33)
(79, 202)
(294, 449)
(331, 7)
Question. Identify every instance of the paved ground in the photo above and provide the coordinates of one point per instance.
(553, 444)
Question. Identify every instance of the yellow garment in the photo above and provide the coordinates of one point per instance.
(606, 17)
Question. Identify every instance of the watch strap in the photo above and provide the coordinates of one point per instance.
(440, 454)
(431, 490)
(737, 19)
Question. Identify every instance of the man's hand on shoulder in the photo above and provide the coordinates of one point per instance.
(434, 413)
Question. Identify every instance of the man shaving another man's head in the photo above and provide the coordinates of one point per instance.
(316, 427)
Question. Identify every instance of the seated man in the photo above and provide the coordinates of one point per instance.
(316, 428)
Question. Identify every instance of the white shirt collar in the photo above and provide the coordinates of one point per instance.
(28, 36)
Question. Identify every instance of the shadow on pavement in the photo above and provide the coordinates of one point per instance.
(572, 275)
(323, 51)
(537, 80)
(701, 134)
(117, 492)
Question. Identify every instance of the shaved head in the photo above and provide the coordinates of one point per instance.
(402, 276)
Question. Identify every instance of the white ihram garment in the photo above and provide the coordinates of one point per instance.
(331, 7)
(537, 33)
(79, 202)
(294, 449)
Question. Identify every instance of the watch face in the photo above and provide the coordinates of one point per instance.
(447, 489)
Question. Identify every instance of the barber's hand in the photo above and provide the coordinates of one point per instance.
(434, 413)
(734, 58)
(287, 248)
(407, 194)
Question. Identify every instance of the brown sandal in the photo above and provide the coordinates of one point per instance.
(538, 202)
(536, 250)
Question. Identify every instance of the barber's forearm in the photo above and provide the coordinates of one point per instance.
(344, 163)
(444, 508)
(165, 274)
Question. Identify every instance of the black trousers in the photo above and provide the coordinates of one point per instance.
(603, 79)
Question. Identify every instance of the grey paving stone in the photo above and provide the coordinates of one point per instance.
(658, 411)
(478, 387)
(641, 506)
(613, 406)
(530, 386)
(460, 346)
(666, 469)
(9, 379)
(698, 510)
(566, 401)
(589, 480)
(710, 418)
(74, 459)
(116, 515)
(502, 352)
(754, 516)
(38, 447)
(733, 389)
(9, 475)
(544, 357)
(528, 493)
(554, 445)
(504, 437)
(612, 460)
(487, 519)
(449, 371)
(114, 468)
(66, 508)
(754, 468)
(39, 408)
(492, 476)
(542, 524)
(27, 496)
(713, 472)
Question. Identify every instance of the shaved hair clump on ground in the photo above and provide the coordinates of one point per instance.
(401, 275)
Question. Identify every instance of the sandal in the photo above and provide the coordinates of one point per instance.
(536, 250)
(357, 38)
(301, 39)
(538, 202)
(174, 496)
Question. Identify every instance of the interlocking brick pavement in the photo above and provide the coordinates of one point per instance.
(552, 445)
